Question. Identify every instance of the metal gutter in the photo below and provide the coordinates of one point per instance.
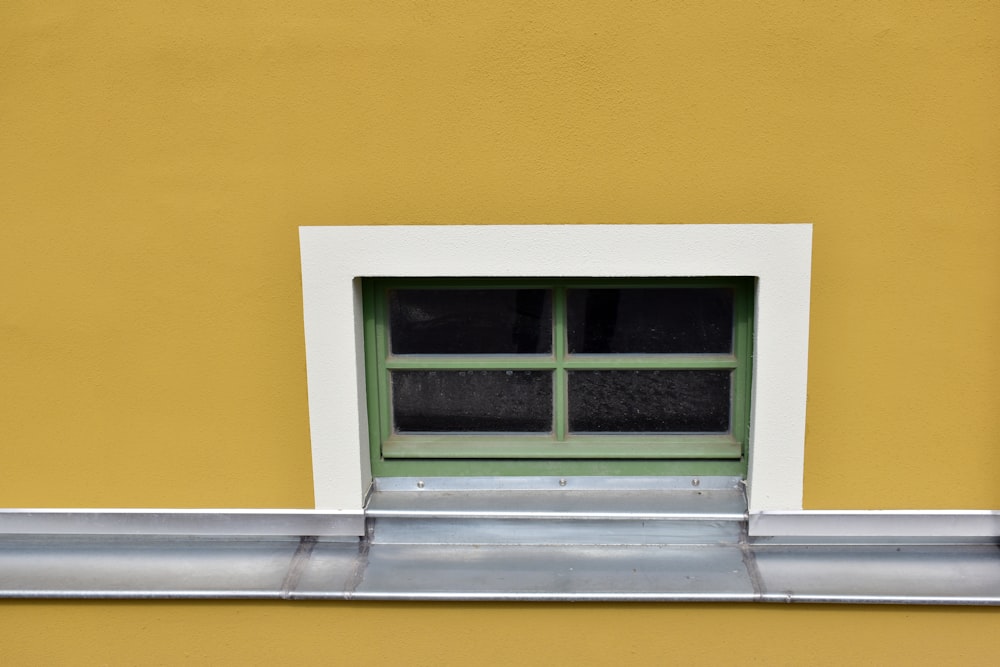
(548, 544)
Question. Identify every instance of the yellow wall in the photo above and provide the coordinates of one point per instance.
(156, 159)
(554, 635)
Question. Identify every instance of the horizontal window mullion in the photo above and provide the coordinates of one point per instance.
(619, 362)
(625, 362)
(461, 363)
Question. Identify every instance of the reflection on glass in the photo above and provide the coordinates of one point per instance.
(468, 401)
(470, 321)
(649, 401)
(650, 320)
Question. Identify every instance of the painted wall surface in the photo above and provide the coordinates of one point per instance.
(156, 160)
(432, 634)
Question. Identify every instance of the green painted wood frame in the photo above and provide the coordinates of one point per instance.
(558, 453)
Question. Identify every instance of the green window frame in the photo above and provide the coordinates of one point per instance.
(559, 452)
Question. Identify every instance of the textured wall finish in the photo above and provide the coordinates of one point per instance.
(157, 159)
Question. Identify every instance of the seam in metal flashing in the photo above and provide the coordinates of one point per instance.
(360, 564)
(299, 561)
(750, 563)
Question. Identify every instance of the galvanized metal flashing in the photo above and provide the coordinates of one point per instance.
(545, 539)
(876, 523)
(263, 523)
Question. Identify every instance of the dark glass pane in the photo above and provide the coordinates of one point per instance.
(650, 320)
(470, 321)
(649, 401)
(465, 401)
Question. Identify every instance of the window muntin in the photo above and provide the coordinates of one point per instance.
(577, 376)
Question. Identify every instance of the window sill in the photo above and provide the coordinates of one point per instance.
(532, 541)
(644, 499)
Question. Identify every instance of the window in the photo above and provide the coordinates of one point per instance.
(338, 261)
(568, 376)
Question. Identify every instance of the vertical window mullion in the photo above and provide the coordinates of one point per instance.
(560, 401)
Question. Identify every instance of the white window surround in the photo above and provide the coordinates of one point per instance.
(335, 259)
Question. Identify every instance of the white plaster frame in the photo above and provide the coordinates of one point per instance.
(335, 259)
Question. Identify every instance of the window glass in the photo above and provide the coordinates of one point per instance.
(649, 320)
(609, 401)
(470, 321)
(472, 401)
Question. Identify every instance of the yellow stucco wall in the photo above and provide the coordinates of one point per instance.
(432, 634)
(157, 158)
